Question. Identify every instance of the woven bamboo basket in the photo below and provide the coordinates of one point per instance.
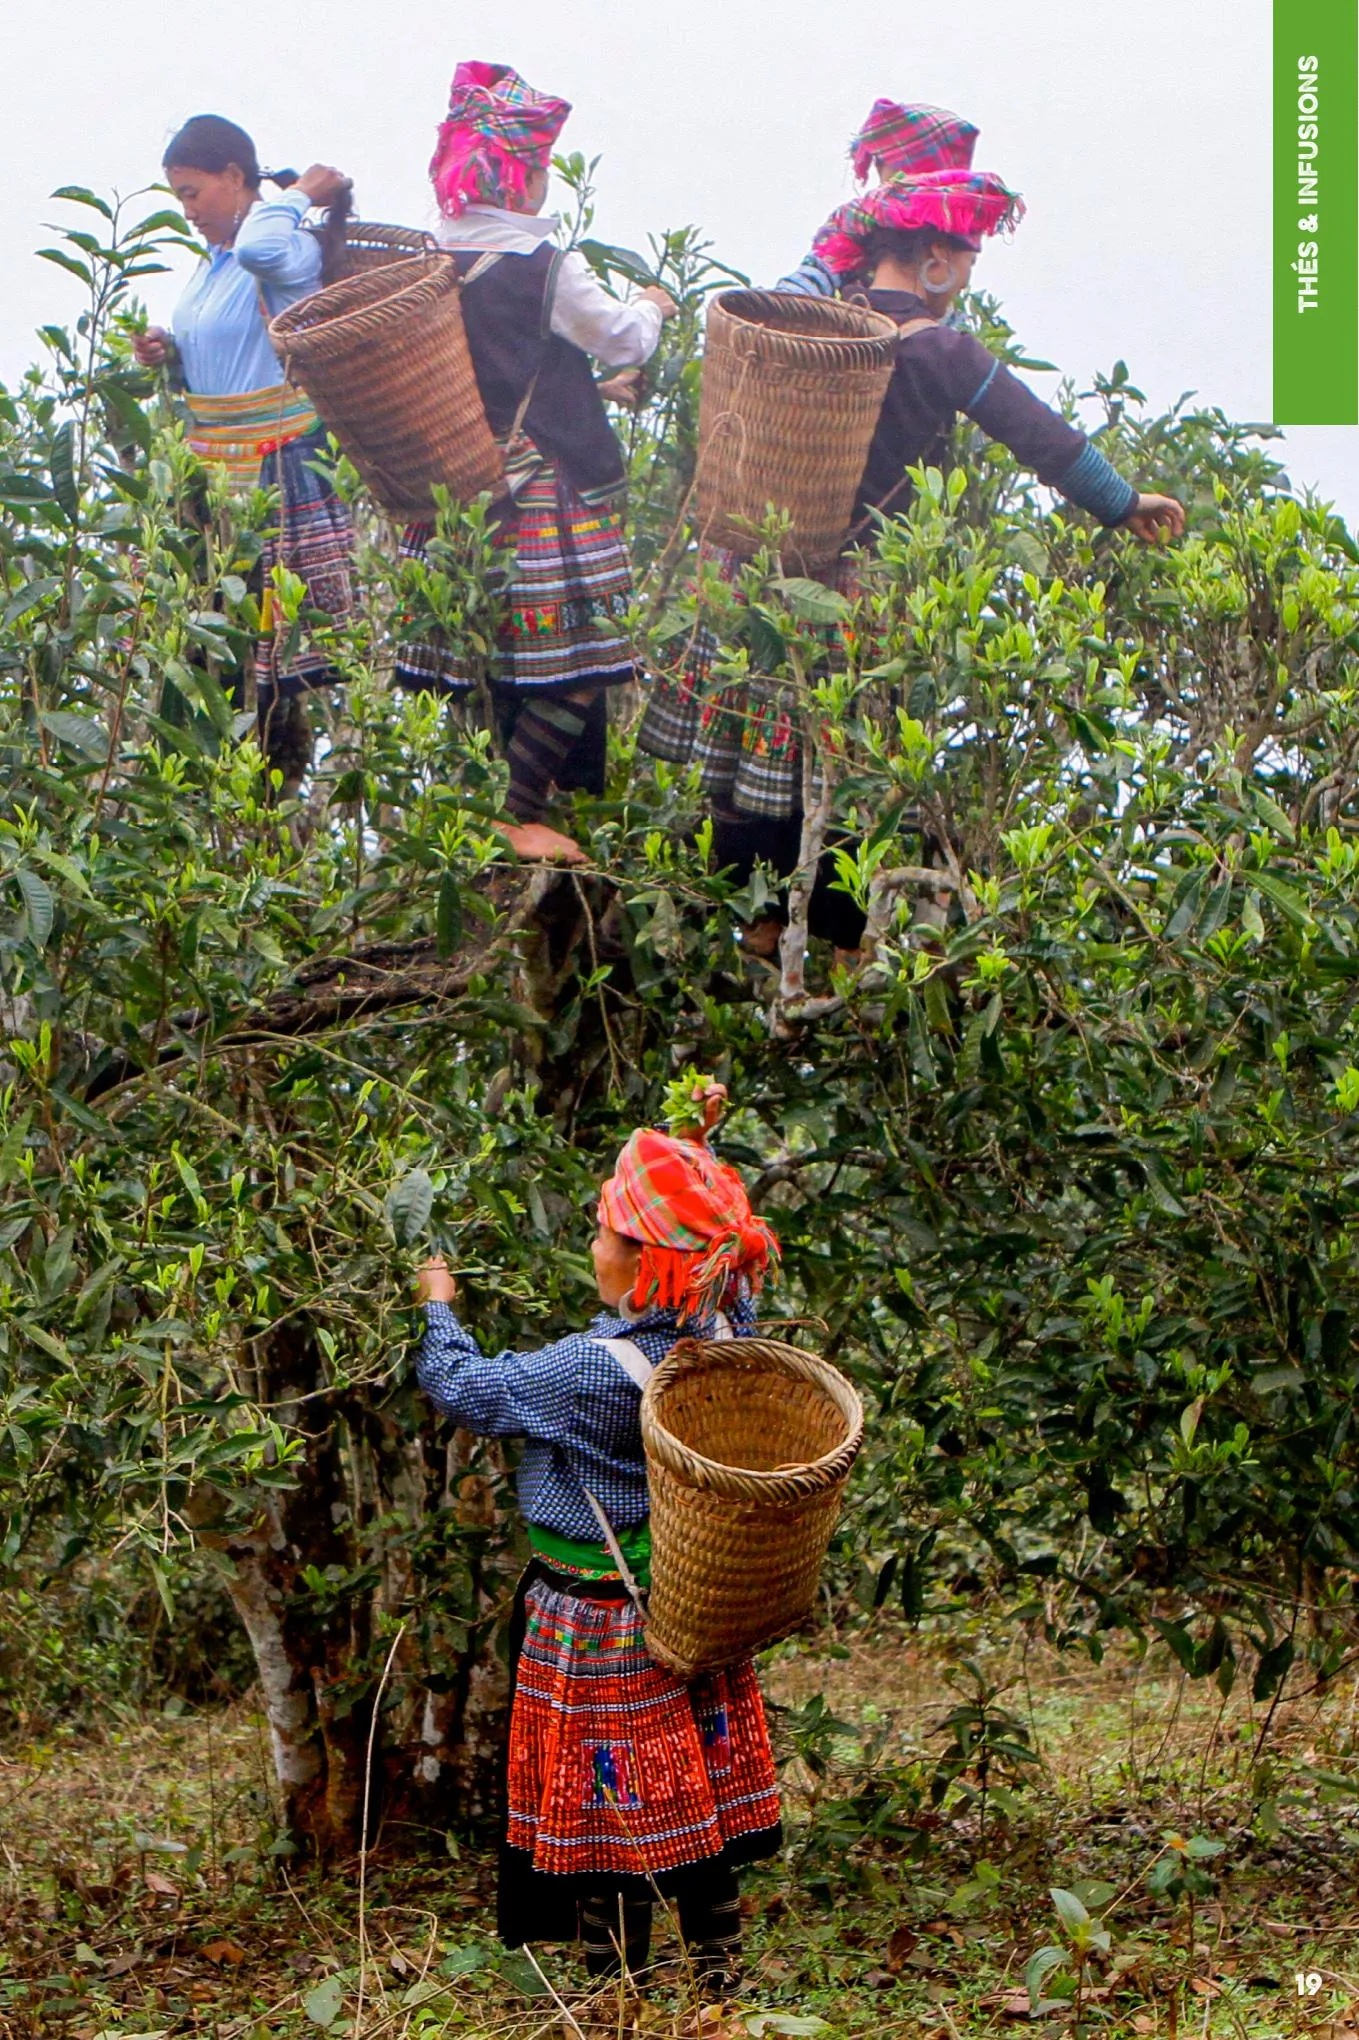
(749, 1444)
(792, 390)
(370, 245)
(383, 356)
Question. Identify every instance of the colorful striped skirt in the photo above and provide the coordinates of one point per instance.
(620, 1776)
(567, 600)
(745, 735)
(272, 439)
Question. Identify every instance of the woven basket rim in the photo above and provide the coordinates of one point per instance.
(749, 1484)
(783, 308)
(382, 234)
(392, 291)
(786, 322)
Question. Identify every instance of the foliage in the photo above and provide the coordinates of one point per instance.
(660, 437)
(1066, 1170)
(986, 1743)
(201, 1930)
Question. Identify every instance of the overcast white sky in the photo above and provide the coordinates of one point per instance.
(1139, 136)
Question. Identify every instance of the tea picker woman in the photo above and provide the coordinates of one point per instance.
(261, 258)
(906, 247)
(622, 1780)
(535, 315)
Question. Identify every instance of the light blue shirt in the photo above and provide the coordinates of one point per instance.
(219, 326)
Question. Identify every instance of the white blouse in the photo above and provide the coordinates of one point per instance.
(618, 334)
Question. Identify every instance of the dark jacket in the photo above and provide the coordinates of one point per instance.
(506, 310)
(941, 371)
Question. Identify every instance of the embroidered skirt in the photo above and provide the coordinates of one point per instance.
(271, 439)
(620, 1776)
(314, 539)
(568, 597)
(744, 737)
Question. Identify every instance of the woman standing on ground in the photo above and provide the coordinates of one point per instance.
(535, 315)
(906, 248)
(261, 258)
(623, 1780)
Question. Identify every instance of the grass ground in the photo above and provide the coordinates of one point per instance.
(135, 1898)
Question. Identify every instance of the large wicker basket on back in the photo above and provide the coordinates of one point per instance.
(792, 390)
(749, 1444)
(384, 358)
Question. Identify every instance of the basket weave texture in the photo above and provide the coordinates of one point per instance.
(749, 1444)
(370, 245)
(792, 390)
(383, 356)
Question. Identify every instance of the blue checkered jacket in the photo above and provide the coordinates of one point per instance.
(572, 1402)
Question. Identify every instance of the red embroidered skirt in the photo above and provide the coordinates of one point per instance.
(569, 593)
(616, 1767)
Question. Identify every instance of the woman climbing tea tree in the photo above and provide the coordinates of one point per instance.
(261, 258)
(906, 248)
(534, 317)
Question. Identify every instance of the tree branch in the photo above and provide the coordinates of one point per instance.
(332, 991)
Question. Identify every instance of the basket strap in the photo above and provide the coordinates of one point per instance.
(615, 1548)
(631, 1359)
(634, 1362)
(486, 260)
(638, 1369)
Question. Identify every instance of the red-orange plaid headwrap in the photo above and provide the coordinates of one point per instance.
(692, 1216)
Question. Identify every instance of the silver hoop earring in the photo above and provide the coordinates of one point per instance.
(936, 289)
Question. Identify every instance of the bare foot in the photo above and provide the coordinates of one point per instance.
(537, 844)
(762, 938)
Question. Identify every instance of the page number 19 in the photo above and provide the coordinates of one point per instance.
(1308, 1982)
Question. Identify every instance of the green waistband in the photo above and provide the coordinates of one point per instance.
(593, 1561)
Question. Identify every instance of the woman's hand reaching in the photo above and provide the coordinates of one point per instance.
(153, 347)
(1156, 518)
(656, 294)
(624, 388)
(434, 1282)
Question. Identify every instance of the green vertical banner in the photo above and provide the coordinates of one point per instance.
(1316, 212)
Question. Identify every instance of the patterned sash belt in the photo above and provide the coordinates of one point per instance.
(592, 1561)
(239, 431)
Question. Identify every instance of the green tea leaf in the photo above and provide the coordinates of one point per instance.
(79, 731)
(65, 485)
(409, 1206)
(38, 904)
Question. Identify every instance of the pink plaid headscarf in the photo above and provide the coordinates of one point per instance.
(965, 203)
(497, 130)
(915, 138)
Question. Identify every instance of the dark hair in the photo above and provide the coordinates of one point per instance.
(208, 142)
(334, 241)
(906, 244)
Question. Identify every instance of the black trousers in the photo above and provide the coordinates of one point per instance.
(740, 841)
(616, 1930)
